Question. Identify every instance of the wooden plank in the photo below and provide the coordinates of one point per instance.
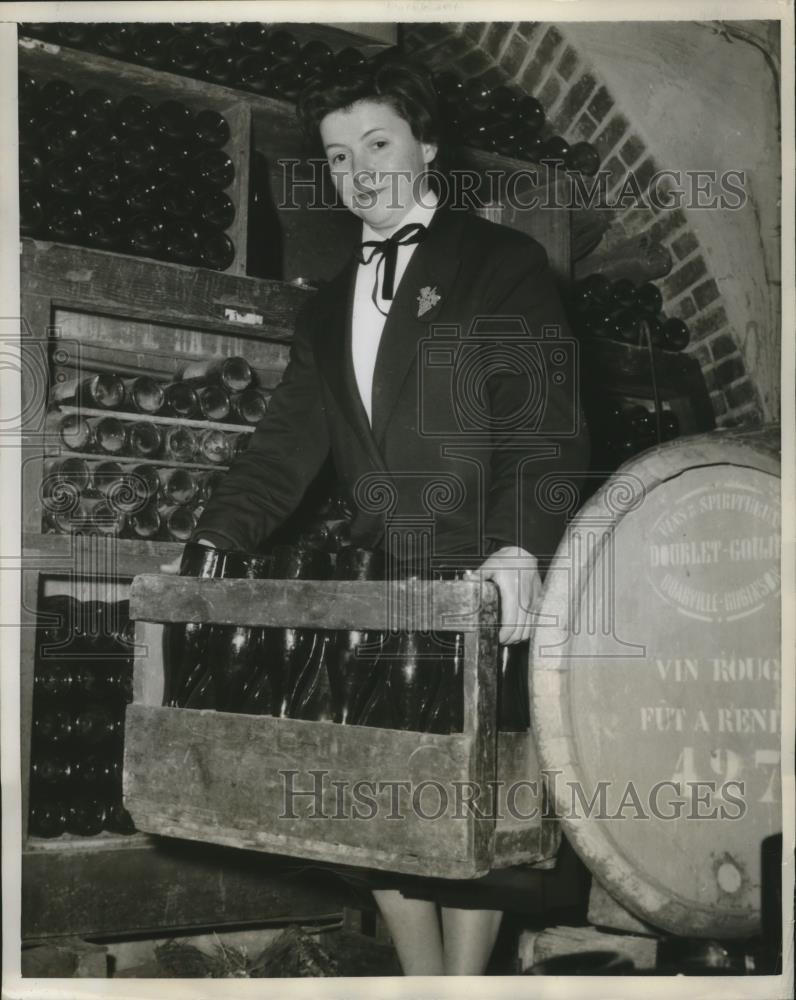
(338, 604)
(521, 834)
(76, 277)
(345, 794)
(27, 659)
(238, 115)
(555, 942)
(161, 884)
(59, 555)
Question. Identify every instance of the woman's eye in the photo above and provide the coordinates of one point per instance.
(380, 142)
(337, 158)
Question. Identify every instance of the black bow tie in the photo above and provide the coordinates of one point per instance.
(414, 232)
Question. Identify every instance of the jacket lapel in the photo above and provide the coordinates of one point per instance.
(432, 267)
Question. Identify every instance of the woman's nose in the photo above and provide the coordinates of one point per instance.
(363, 175)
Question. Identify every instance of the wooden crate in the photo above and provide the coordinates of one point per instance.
(215, 776)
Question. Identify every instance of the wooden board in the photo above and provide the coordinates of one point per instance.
(660, 664)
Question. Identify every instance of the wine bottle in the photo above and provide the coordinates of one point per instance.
(31, 165)
(623, 294)
(178, 200)
(219, 34)
(184, 645)
(216, 251)
(145, 524)
(117, 818)
(242, 442)
(181, 401)
(94, 106)
(531, 114)
(95, 773)
(65, 220)
(670, 425)
(145, 482)
(219, 66)
(178, 486)
(252, 73)
(214, 402)
(27, 89)
(234, 374)
(138, 153)
(52, 727)
(208, 484)
(293, 649)
(174, 120)
(52, 682)
(64, 177)
(185, 54)
(104, 391)
(48, 816)
(283, 45)
(214, 168)
(143, 395)
(179, 523)
(316, 56)
(231, 659)
(115, 40)
(216, 210)
(149, 46)
(213, 446)
(57, 97)
(211, 129)
(110, 435)
(351, 662)
(51, 771)
(144, 439)
(95, 725)
(85, 817)
(181, 243)
(675, 335)
(105, 476)
(66, 520)
(514, 713)
(627, 326)
(134, 115)
(106, 521)
(179, 444)
(103, 229)
(252, 36)
(248, 407)
(70, 470)
(554, 149)
(347, 58)
(649, 298)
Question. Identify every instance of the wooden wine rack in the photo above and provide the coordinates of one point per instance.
(137, 316)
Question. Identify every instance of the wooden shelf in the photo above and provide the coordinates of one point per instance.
(138, 418)
(58, 554)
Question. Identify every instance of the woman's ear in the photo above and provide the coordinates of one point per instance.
(430, 150)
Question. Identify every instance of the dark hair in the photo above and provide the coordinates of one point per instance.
(393, 79)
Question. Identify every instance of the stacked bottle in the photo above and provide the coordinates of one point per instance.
(137, 460)
(82, 682)
(261, 58)
(622, 310)
(125, 175)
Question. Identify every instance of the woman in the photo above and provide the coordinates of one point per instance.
(462, 437)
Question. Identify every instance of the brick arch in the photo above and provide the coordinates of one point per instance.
(537, 58)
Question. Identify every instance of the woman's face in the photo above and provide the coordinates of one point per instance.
(377, 164)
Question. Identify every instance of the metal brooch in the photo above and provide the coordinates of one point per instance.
(426, 300)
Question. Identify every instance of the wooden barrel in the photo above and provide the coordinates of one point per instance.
(655, 680)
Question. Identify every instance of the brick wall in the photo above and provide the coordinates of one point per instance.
(537, 58)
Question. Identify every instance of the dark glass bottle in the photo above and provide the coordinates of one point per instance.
(31, 165)
(144, 395)
(627, 326)
(58, 629)
(248, 407)
(65, 220)
(117, 818)
(178, 523)
(352, 658)
(85, 816)
(216, 251)
(316, 56)
(101, 146)
(27, 89)
(178, 486)
(623, 294)
(52, 727)
(178, 200)
(74, 432)
(104, 229)
(216, 210)
(134, 115)
(670, 425)
(114, 40)
(514, 713)
(138, 154)
(294, 649)
(283, 45)
(144, 524)
(149, 45)
(252, 36)
(145, 483)
(214, 447)
(649, 298)
(214, 168)
(94, 106)
(233, 651)
(110, 435)
(94, 773)
(174, 120)
(104, 520)
(52, 681)
(48, 816)
(144, 439)
(106, 476)
(181, 401)
(348, 58)
(57, 97)
(234, 374)
(179, 444)
(71, 470)
(96, 725)
(214, 402)
(531, 114)
(675, 335)
(53, 771)
(554, 149)
(287, 79)
(181, 243)
(209, 483)
(219, 66)
(184, 645)
(65, 177)
(253, 73)
(104, 391)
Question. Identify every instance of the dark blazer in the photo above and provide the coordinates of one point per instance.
(475, 419)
